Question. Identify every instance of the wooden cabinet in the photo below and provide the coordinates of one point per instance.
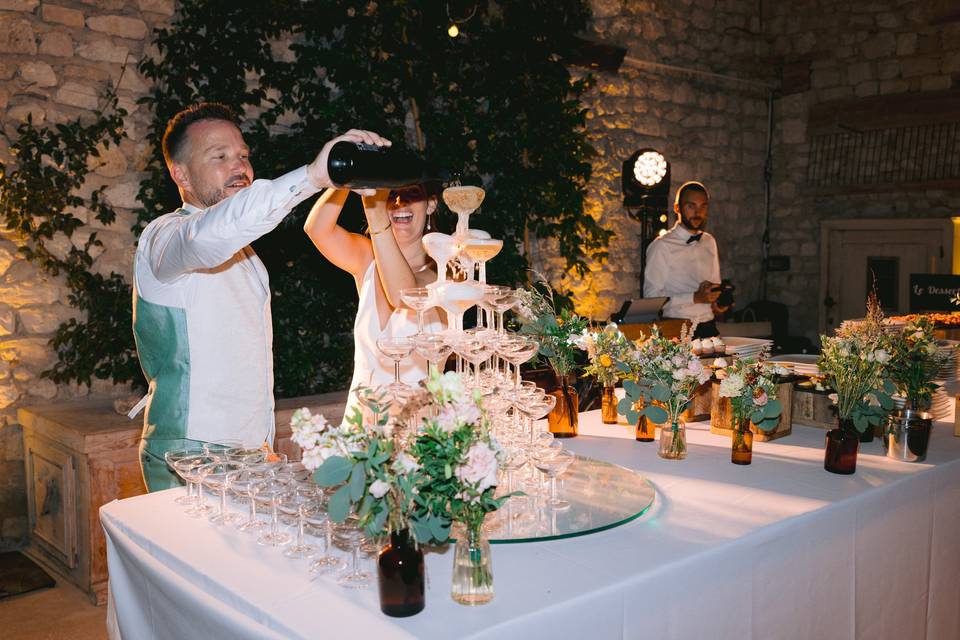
(80, 455)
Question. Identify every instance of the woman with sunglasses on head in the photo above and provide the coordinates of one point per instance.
(392, 258)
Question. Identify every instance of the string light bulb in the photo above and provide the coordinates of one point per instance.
(453, 31)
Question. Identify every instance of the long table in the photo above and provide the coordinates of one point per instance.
(779, 549)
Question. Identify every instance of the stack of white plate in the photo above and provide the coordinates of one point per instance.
(747, 347)
(948, 370)
(803, 364)
(941, 404)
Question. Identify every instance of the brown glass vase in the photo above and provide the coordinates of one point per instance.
(400, 576)
(646, 430)
(608, 405)
(562, 421)
(741, 441)
(842, 444)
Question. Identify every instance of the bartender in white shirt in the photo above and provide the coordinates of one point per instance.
(683, 264)
(201, 297)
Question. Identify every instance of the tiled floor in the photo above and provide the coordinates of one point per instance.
(60, 613)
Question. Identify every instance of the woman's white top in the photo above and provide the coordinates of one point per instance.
(370, 367)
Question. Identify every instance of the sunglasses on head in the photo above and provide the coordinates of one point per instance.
(406, 195)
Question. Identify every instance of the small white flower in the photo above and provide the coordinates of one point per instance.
(379, 489)
(731, 386)
(882, 356)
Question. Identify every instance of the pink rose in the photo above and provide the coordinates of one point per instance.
(480, 468)
(760, 397)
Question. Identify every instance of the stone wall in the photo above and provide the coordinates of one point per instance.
(694, 86)
(852, 50)
(56, 61)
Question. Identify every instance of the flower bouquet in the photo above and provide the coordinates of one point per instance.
(915, 359)
(752, 389)
(460, 462)
(558, 330)
(854, 364)
(665, 375)
(604, 348)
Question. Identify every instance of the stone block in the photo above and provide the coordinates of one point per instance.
(929, 44)
(857, 73)
(601, 8)
(916, 67)
(794, 130)
(936, 83)
(20, 112)
(8, 320)
(8, 255)
(16, 35)
(888, 69)
(882, 45)
(43, 388)
(33, 291)
(123, 194)
(906, 44)
(822, 78)
(111, 163)
(78, 95)
(39, 74)
(87, 71)
(62, 15)
(18, 5)
(836, 93)
(103, 50)
(888, 20)
(868, 88)
(121, 26)
(43, 319)
(951, 62)
(56, 43)
(9, 394)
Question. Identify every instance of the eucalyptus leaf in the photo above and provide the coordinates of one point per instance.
(338, 508)
(624, 406)
(357, 483)
(632, 389)
(333, 471)
(660, 392)
(756, 416)
(655, 414)
(773, 409)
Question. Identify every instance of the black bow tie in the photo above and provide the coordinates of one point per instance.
(695, 238)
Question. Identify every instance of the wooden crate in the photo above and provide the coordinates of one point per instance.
(721, 419)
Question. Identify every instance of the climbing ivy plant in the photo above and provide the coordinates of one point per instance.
(495, 103)
(40, 201)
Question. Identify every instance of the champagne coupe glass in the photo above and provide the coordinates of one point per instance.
(171, 457)
(396, 348)
(244, 455)
(315, 513)
(442, 248)
(456, 298)
(501, 305)
(490, 293)
(418, 299)
(351, 535)
(474, 348)
(217, 476)
(217, 447)
(552, 462)
(463, 200)
(434, 348)
(293, 503)
(516, 350)
(270, 491)
(189, 470)
(480, 250)
(244, 484)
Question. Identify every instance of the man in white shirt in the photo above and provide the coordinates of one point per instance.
(201, 297)
(683, 264)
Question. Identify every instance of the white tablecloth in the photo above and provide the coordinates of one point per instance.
(780, 549)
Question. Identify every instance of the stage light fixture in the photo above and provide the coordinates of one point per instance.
(645, 179)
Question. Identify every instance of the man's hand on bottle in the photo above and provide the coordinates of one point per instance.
(707, 293)
(317, 170)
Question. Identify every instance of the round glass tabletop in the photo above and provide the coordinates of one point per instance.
(601, 495)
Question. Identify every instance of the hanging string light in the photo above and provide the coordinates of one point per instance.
(454, 29)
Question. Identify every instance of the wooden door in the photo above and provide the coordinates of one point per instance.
(858, 253)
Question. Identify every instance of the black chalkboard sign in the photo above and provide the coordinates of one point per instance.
(933, 292)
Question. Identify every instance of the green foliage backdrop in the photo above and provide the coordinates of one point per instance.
(496, 103)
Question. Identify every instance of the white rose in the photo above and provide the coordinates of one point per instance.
(405, 463)
(480, 468)
(882, 356)
(379, 489)
(731, 386)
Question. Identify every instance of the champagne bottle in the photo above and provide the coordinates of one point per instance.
(355, 165)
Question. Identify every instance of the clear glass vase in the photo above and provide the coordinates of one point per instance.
(472, 582)
(673, 441)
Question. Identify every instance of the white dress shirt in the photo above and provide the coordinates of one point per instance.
(202, 318)
(676, 268)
